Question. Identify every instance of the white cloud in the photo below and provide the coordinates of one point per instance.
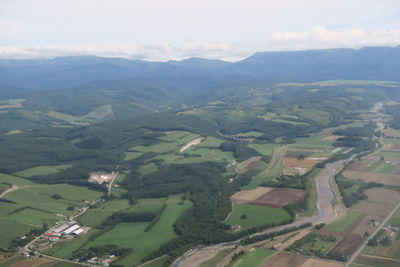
(320, 37)
(317, 37)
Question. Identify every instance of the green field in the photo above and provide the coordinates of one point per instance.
(275, 167)
(144, 242)
(42, 170)
(35, 206)
(131, 155)
(342, 224)
(157, 148)
(100, 113)
(387, 154)
(254, 257)
(314, 140)
(380, 167)
(11, 260)
(210, 154)
(149, 168)
(211, 142)
(256, 216)
(263, 149)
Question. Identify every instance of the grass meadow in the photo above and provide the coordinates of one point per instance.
(256, 216)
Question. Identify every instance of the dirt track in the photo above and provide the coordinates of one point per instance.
(12, 188)
(191, 143)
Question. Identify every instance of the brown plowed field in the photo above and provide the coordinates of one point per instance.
(243, 197)
(284, 260)
(280, 197)
(350, 239)
(386, 179)
(348, 244)
(383, 195)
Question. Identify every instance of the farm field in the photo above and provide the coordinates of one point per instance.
(253, 257)
(284, 259)
(275, 167)
(35, 206)
(256, 216)
(123, 234)
(42, 170)
(342, 224)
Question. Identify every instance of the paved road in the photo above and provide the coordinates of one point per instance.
(358, 251)
(111, 183)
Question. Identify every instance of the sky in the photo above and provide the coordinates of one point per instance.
(161, 30)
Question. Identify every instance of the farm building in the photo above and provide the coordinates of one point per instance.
(71, 229)
(78, 231)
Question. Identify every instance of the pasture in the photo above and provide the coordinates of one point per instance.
(144, 242)
(256, 216)
(342, 224)
(41, 170)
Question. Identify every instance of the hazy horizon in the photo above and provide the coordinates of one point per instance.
(175, 30)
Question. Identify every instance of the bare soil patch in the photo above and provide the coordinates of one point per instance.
(12, 188)
(191, 143)
(384, 178)
(383, 195)
(332, 137)
(101, 177)
(280, 197)
(284, 260)
(245, 196)
(313, 262)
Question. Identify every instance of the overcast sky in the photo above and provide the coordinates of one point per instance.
(176, 29)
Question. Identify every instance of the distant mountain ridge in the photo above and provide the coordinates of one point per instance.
(372, 63)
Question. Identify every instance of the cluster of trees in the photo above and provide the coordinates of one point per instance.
(365, 131)
(309, 240)
(240, 151)
(84, 254)
(351, 198)
(359, 143)
(393, 110)
(120, 217)
(379, 239)
(156, 218)
(296, 181)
